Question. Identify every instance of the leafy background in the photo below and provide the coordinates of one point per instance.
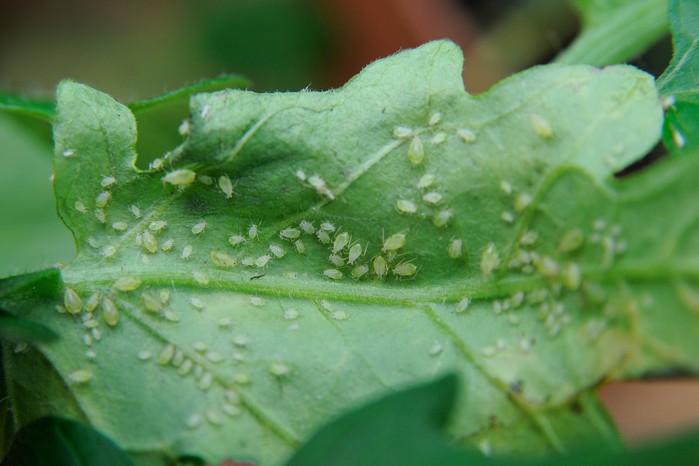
(32, 242)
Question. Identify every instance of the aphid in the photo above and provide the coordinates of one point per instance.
(327, 226)
(186, 252)
(300, 247)
(439, 138)
(279, 369)
(72, 301)
(226, 186)
(100, 216)
(341, 241)
(110, 312)
(205, 110)
(149, 242)
(319, 184)
(529, 238)
(241, 378)
(291, 275)
(462, 305)
(194, 420)
(289, 233)
(354, 252)
(68, 153)
(93, 243)
(571, 276)
(541, 126)
(571, 240)
(333, 274)
(108, 251)
(126, 284)
(336, 260)
(441, 218)
(248, 261)
(380, 266)
(102, 199)
(156, 165)
(92, 302)
(262, 261)
(178, 358)
(198, 228)
(522, 202)
(184, 128)
(406, 207)
(144, 355)
(432, 197)
(339, 315)
(506, 187)
(547, 266)
(359, 271)
(135, 211)
(200, 277)
(252, 231)
(393, 242)
(416, 152)
(677, 138)
(197, 303)
(435, 349)
(151, 303)
(507, 217)
(80, 207)
(323, 236)
(426, 181)
(81, 376)
(120, 226)
(230, 409)
(164, 296)
(205, 180)
(435, 118)
(167, 245)
(185, 367)
(222, 259)
(241, 340)
(326, 305)
(214, 357)
(307, 227)
(301, 175)
(455, 248)
(108, 181)
(276, 251)
(466, 134)
(180, 177)
(402, 132)
(236, 240)
(490, 259)
(405, 269)
(157, 225)
(166, 355)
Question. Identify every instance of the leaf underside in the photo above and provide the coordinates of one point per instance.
(564, 278)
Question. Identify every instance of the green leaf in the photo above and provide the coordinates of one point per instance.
(573, 277)
(678, 85)
(21, 105)
(19, 330)
(615, 31)
(52, 441)
(402, 428)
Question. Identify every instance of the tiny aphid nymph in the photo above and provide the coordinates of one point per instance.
(236, 240)
(180, 177)
(199, 228)
(393, 242)
(333, 274)
(226, 186)
(404, 269)
(341, 241)
(416, 152)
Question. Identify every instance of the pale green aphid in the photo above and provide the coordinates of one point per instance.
(466, 135)
(120, 226)
(359, 271)
(81, 376)
(300, 247)
(341, 241)
(262, 261)
(222, 258)
(157, 225)
(336, 260)
(180, 177)
(406, 207)
(541, 126)
(236, 240)
(402, 132)
(102, 199)
(80, 207)
(72, 301)
(307, 227)
(289, 233)
(100, 216)
(441, 218)
(426, 181)
(416, 152)
(522, 201)
(432, 197)
(276, 251)
(200, 277)
(108, 251)
(323, 236)
(333, 274)
(108, 181)
(380, 266)
(405, 269)
(135, 211)
(571, 240)
(110, 312)
(149, 242)
(252, 231)
(168, 245)
(462, 305)
(393, 242)
(205, 180)
(150, 302)
(92, 302)
(354, 252)
(127, 284)
(186, 252)
(455, 248)
(226, 186)
(435, 118)
(327, 226)
(490, 259)
(199, 227)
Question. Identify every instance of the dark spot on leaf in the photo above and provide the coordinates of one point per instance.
(576, 408)
(516, 387)
(197, 205)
